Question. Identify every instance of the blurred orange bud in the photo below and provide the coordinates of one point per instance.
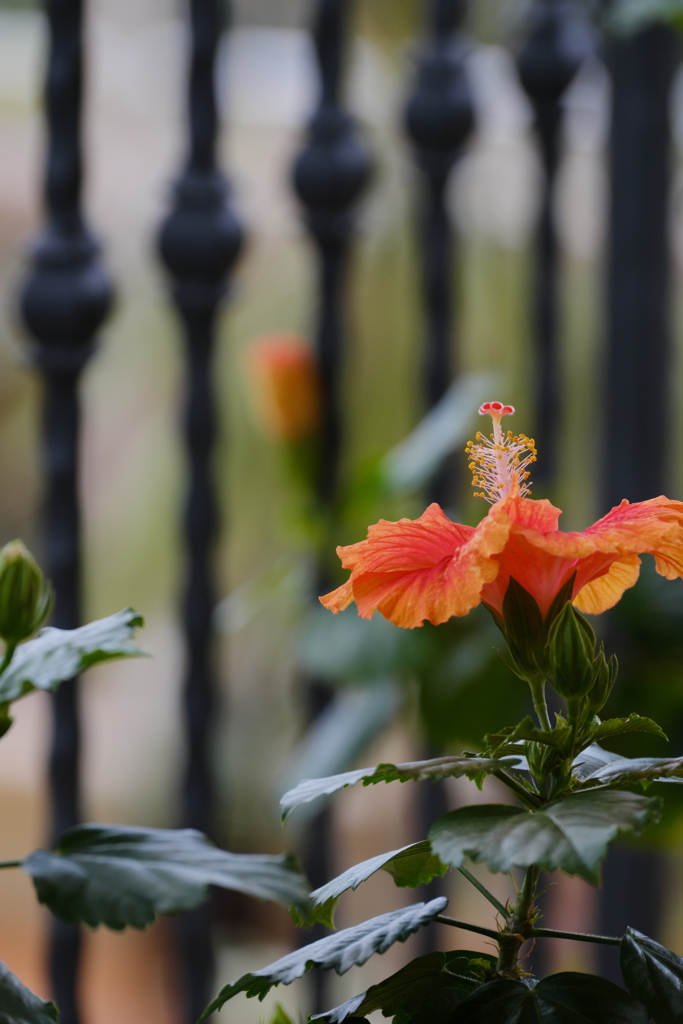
(285, 385)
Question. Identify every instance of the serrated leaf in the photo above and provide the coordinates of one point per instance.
(628, 771)
(122, 875)
(339, 952)
(18, 1005)
(437, 768)
(571, 834)
(634, 723)
(567, 998)
(653, 974)
(409, 866)
(404, 993)
(59, 654)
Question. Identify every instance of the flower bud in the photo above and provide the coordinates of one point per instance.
(604, 676)
(25, 597)
(571, 648)
(285, 385)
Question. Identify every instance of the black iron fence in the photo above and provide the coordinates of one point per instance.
(66, 297)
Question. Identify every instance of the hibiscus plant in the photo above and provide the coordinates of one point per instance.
(112, 875)
(569, 795)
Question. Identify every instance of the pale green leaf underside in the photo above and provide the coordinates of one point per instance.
(339, 951)
(437, 768)
(59, 654)
(570, 834)
(123, 876)
(18, 1005)
(596, 767)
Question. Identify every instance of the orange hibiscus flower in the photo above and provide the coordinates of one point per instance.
(431, 568)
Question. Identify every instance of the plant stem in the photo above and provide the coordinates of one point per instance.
(540, 707)
(517, 931)
(10, 863)
(529, 799)
(552, 933)
(484, 891)
(454, 923)
(9, 652)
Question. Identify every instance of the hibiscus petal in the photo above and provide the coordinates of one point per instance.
(430, 568)
(604, 592)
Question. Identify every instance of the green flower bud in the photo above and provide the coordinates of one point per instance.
(25, 597)
(604, 676)
(571, 649)
(524, 631)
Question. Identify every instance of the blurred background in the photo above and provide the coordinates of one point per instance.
(133, 474)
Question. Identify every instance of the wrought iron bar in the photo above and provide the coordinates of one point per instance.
(637, 372)
(558, 42)
(329, 176)
(200, 241)
(64, 301)
(439, 119)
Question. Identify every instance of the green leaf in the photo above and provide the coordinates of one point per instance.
(567, 998)
(597, 767)
(409, 866)
(339, 951)
(404, 993)
(438, 768)
(571, 834)
(524, 626)
(122, 875)
(654, 975)
(634, 723)
(59, 654)
(526, 730)
(18, 1005)
(279, 1016)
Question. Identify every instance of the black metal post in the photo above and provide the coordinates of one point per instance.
(558, 42)
(64, 301)
(439, 119)
(638, 357)
(199, 242)
(329, 176)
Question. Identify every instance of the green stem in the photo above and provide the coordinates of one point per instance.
(517, 932)
(552, 933)
(9, 653)
(454, 923)
(540, 707)
(484, 891)
(10, 863)
(530, 800)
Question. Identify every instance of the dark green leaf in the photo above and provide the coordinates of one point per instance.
(409, 866)
(634, 723)
(18, 1005)
(526, 730)
(438, 768)
(59, 654)
(571, 834)
(524, 625)
(654, 975)
(120, 875)
(567, 998)
(339, 951)
(405, 992)
(628, 771)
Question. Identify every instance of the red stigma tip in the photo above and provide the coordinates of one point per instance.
(496, 409)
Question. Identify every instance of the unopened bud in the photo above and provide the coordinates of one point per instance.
(25, 597)
(604, 676)
(571, 650)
